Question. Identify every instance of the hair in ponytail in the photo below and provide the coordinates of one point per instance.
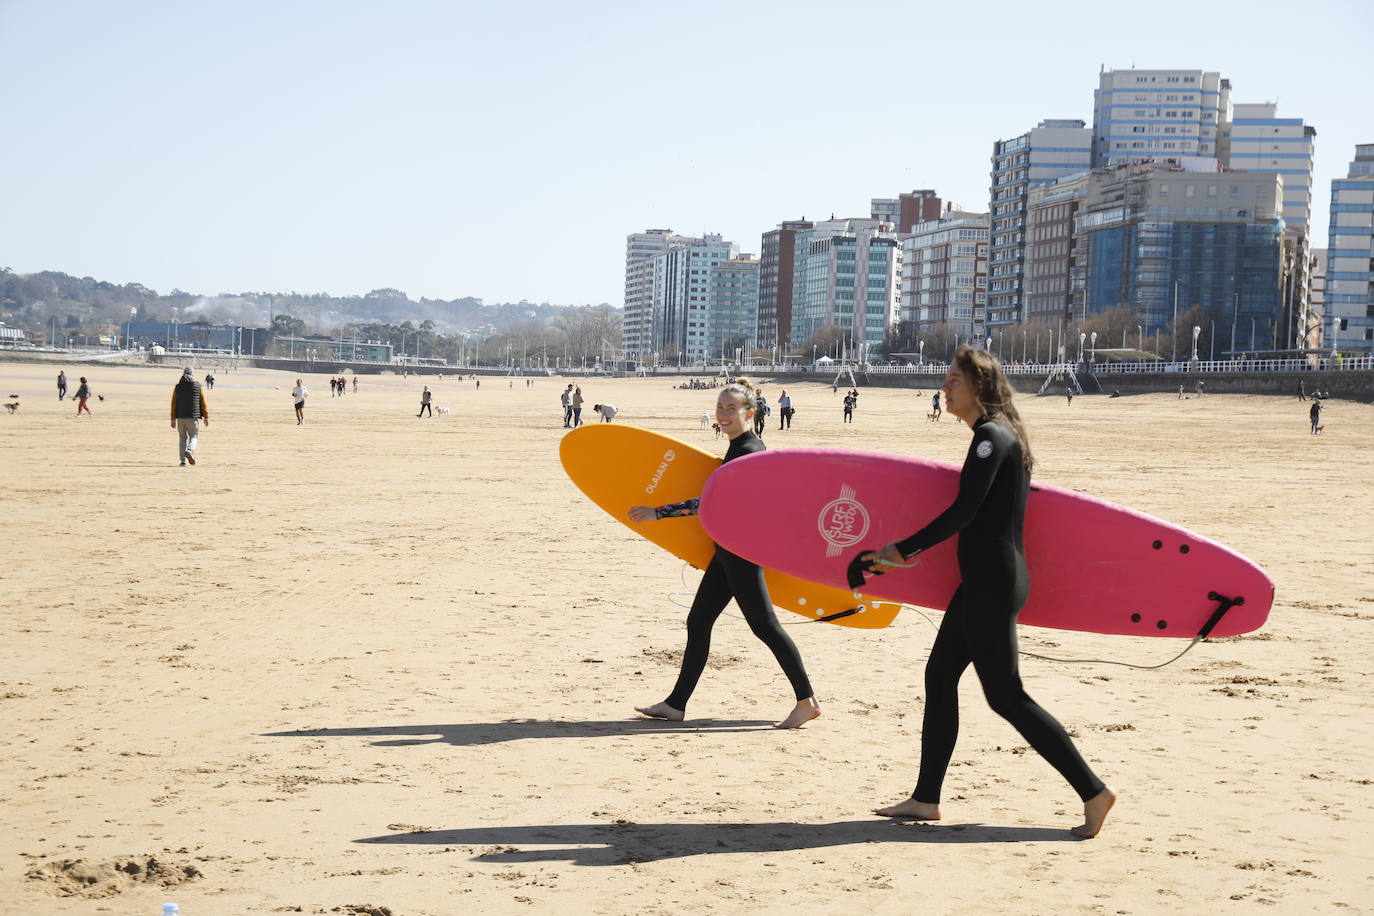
(745, 390)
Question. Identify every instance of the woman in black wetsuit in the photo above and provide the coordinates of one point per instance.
(728, 576)
(980, 626)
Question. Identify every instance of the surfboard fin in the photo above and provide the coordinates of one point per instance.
(1224, 604)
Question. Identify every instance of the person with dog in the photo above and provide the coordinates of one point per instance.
(188, 410)
(83, 394)
(729, 576)
(849, 401)
(425, 399)
(935, 411)
(979, 628)
(298, 395)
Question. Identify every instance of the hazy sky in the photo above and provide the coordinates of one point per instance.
(504, 149)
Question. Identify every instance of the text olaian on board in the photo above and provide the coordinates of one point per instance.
(654, 481)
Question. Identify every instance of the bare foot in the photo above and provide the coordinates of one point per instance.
(921, 811)
(1094, 813)
(661, 711)
(803, 712)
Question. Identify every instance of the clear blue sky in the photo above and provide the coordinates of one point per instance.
(504, 150)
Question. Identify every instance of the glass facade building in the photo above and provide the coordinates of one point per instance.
(1350, 257)
(734, 311)
(845, 274)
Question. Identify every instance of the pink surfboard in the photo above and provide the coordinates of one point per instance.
(1094, 566)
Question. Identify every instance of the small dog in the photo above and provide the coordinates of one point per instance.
(716, 427)
(705, 420)
(441, 411)
(100, 397)
(12, 406)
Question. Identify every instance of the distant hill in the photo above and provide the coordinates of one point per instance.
(84, 305)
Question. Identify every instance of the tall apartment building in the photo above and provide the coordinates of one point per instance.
(1147, 114)
(905, 211)
(1261, 141)
(682, 295)
(944, 274)
(845, 274)
(732, 318)
(1350, 256)
(1053, 286)
(1155, 234)
(640, 250)
(776, 265)
(1047, 152)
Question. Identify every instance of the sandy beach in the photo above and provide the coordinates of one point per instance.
(380, 664)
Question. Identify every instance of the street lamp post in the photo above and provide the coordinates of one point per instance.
(921, 353)
(1235, 312)
(1094, 346)
(1140, 337)
(1081, 337)
(1196, 331)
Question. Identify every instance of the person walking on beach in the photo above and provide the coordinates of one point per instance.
(566, 399)
(1180, 392)
(298, 395)
(576, 406)
(1302, 391)
(849, 407)
(1068, 393)
(83, 394)
(729, 576)
(935, 411)
(61, 384)
(979, 628)
(209, 383)
(761, 415)
(1315, 415)
(355, 384)
(188, 410)
(784, 411)
(333, 387)
(425, 398)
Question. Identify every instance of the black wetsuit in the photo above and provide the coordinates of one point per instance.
(980, 625)
(729, 576)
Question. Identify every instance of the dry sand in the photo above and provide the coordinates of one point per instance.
(380, 662)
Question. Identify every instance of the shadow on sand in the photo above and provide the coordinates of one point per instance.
(621, 843)
(477, 733)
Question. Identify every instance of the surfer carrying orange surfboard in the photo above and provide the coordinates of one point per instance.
(729, 576)
(979, 628)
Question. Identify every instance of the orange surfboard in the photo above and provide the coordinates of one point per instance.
(619, 466)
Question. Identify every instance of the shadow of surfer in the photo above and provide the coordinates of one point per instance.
(474, 734)
(620, 842)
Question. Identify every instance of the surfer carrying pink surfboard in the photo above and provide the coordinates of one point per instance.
(979, 628)
(729, 576)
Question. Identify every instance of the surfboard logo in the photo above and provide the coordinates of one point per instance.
(842, 522)
(662, 469)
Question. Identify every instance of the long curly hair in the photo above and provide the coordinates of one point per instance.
(994, 394)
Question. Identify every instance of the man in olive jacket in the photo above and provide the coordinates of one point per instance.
(188, 409)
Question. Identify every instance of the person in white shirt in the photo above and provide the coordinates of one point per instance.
(607, 412)
(299, 394)
(784, 411)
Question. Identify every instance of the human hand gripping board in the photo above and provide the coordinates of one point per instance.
(1094, 566)
(618, 466)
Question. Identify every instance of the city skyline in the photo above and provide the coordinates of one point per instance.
(339, 148)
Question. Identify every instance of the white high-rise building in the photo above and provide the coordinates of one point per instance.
(1350, 255)
(640, 250)
(1261, 141)
(845, 275)
(1156, 114)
